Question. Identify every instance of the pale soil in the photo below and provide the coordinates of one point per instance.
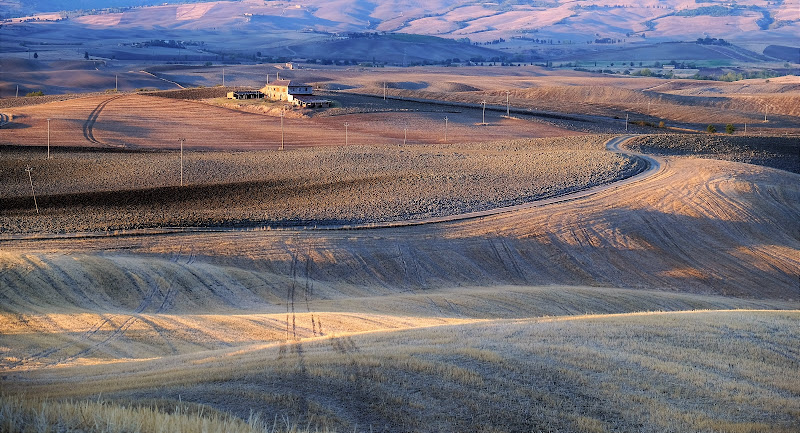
(140, 121)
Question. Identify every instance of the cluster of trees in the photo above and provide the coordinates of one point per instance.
(729, 129)
(712, 41)
(736, 76)
(608, 41)
(161, 43)
(494, 42)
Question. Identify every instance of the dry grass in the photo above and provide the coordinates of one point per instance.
(21, 415)
(695, 371)
(102, 310)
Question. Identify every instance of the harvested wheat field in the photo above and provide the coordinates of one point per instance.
(665, 302)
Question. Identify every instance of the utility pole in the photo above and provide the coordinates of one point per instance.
(484, 112)
(283, 114)
(17, 91)
(30, 178)
(48, 138)
(223, 77)
(116, 83)
(626, 122)
(445, 129)
(345, 133)
(405, 135)
(384, 90)
(766, 108)
(182, 140)
(508, 107)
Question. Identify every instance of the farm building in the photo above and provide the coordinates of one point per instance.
(245, 94)
(301, 95)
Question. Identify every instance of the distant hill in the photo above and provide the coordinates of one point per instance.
(562, 21)
(790, 54)
(507, 29)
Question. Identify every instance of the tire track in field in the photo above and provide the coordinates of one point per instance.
(120, 330)
(93, 331)
(88, 126)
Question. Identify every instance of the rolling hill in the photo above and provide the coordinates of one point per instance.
(511, 26)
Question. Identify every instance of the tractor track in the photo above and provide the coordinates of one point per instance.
(88, 126)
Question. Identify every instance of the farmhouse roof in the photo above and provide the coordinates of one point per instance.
(286, 83)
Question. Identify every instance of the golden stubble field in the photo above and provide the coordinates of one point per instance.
(505, 322)
(668, 303)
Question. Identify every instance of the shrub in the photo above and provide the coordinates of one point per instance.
(729, 128)
(711, 129)
(36, 93)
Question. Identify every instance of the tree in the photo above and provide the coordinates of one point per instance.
(35, 55)
(729, 128)
(86, 55)
(711, 129)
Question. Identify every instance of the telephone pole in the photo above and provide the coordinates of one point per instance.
(445, 129)
(508, 107)
(182, 140)
(484, 112)
(48, 138)
(345, 133)
(30, 178)
(283, 114)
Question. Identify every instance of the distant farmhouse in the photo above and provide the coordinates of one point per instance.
(299, 95)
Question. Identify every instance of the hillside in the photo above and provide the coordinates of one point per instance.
(665, 304)
(533, 28)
